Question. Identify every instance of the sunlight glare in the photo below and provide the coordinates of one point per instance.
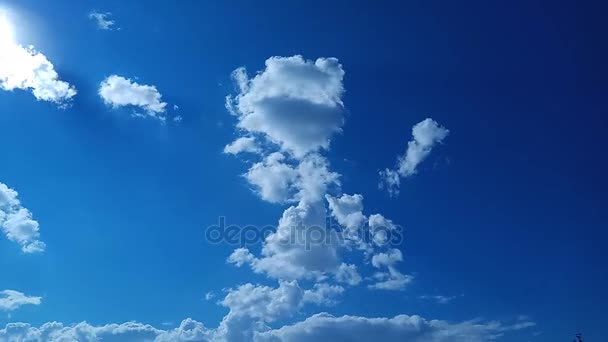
(7, 31)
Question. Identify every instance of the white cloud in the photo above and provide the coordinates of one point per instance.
(242, 144)
(240, 257)
(289, 253)
(25, 68)
(295, 103)
(117, 91)
(263, 302)
(11, 300)
(426, 134)
(325, 327)
(439, 299)
(393, 280)
(323, 294)
(347, 210)
(273, 178)
(347, 273)
(103, 20)
(252, 307)
(189, 330)
(209, 295)
(16, 222)
(387, 259)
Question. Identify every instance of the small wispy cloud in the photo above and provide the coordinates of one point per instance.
(425, 136)
(103, 20)
(209, 295)
(440, 299)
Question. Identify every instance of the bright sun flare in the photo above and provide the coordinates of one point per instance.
(7, 32)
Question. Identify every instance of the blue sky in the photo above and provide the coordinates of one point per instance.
(484, 124)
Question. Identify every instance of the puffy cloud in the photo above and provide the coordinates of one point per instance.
(263, 302)
(189, 330)
(302, 247)
(347, 210)
(16, 222)
(323, 294)
(277, 180)
(295, 103)
(387, 259)
(426, 134)
(241, 256)
(348, 274)
(25, 68)
(103, 20)
(273, 178)
(117, 91)
(11, 300)
(325, 327)
(382, 230)
(393, 280)
(253, 306)
(242, 144)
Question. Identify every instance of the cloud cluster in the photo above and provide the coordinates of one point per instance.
(11, 300)
(288, 113)
(117, 91)
(25, 68)
(425, 135)
(17, 223)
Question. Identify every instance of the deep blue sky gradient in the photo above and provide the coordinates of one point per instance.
(510, 212)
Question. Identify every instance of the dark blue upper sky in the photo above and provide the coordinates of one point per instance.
(508, 214)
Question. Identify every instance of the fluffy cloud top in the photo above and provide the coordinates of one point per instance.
(25, 68)
(103, 20)
(295, 103)
(16, 222)
(117, 91)
(426, 134)
(11, 300)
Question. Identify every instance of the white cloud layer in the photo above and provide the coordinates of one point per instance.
(25, 68)
(325, 327)
(17, 223)
(117, 91)
(103, 20)
(11, 300)
(319, 327)
(426, 134)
